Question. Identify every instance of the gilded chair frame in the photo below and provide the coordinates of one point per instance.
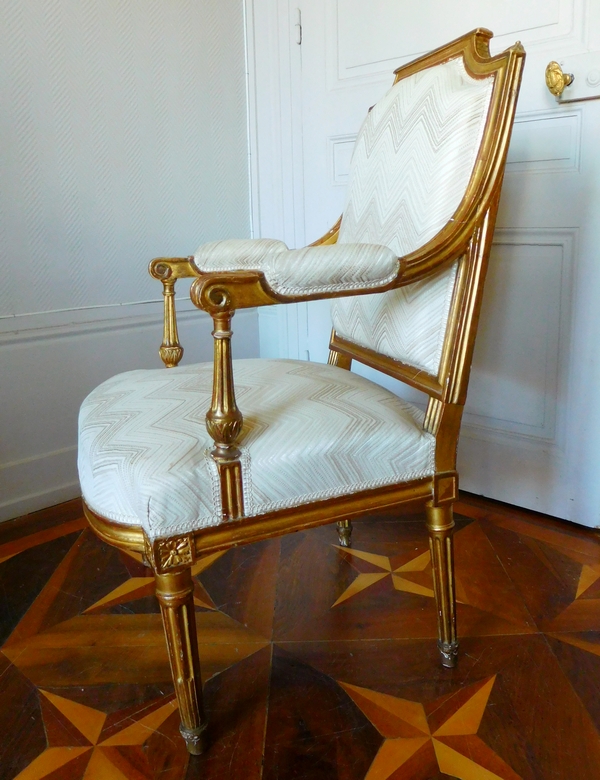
(467, 238)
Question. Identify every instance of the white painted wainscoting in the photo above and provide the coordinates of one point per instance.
(48, 364)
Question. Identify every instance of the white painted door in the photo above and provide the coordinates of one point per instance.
(532, 425)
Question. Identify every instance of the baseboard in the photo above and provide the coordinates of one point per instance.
(25, 505)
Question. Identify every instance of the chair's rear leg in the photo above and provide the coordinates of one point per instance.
(344, 528)
(175, 593)
(440, 524)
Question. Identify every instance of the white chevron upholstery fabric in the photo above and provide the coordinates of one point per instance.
(237, 254)
(311, 431)
(411, 165)
(414, 156)
(307, 271)
(407, 324)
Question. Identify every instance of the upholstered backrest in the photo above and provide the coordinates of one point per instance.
(412, 162)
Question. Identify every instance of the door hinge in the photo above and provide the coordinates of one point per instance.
(298, 26)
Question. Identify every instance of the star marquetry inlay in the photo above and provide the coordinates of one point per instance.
(410, 577)
(138, 587)
(420, 740)
(102, 759)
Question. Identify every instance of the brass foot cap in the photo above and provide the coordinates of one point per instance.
(448, 653)
(195, 739)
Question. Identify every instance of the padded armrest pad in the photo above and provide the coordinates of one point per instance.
(309, 271)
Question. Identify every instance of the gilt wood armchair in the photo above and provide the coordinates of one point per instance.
(293, 444)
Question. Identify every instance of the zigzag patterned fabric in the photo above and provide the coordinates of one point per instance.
(407, 324)
(307, 271)
(411, 166)
(311, 431)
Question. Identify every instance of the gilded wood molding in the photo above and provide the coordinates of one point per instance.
(331, 236)
(415, 377)
(407, 497)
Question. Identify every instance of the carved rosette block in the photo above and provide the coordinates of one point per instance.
(175, 593)
(224, 420)
(175, 552)
(165, 555)
(440, 524)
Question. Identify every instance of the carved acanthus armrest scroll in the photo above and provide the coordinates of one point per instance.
(168, 270)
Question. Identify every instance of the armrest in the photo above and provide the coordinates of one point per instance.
(237, 274)
(312, 271)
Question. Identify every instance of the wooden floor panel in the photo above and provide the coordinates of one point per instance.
(319, 662)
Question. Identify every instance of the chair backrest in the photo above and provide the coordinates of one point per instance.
(425, 178)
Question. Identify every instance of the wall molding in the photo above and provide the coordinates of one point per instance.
(56, 325)
(339, 155)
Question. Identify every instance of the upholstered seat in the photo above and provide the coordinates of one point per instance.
(183, 463)
(310, 432)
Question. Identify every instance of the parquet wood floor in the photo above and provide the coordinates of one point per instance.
(319, 662)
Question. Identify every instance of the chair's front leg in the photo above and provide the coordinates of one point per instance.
(344, 529)
(440, 524)
(175, 595)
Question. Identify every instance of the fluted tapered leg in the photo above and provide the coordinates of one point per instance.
(175, 595)
(344, 528)
(440, 524)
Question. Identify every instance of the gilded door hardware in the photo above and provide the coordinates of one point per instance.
(556, 80)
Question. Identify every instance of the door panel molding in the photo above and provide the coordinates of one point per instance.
(521, 390)
(545, 141)
(366, 41)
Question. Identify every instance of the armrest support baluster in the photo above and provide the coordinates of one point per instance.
(224, 420)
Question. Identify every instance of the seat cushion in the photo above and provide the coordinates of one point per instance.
(311, 431)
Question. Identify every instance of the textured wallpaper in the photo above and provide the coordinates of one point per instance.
(122, 137)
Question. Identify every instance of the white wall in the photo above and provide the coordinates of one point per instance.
(123, 136)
